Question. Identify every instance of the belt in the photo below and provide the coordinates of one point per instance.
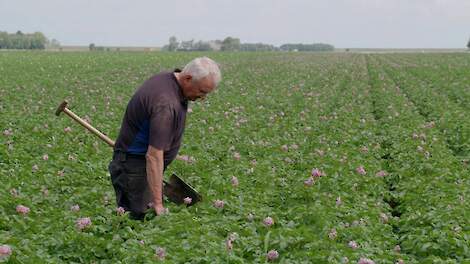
(123, 156)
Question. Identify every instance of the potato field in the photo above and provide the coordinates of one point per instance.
(300, 158)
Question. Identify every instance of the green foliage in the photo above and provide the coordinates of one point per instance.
(257, 47)
(234, 44)
(173, 46)
(19, 40)
(189, 45)
(93, 47)
(307, 47)
(230, 44)
(274, 118)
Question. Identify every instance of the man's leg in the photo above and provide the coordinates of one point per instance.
(120, 183)
(138, 190)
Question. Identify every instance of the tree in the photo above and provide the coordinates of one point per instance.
(53, 44)
(20, 40)
(256, 47)
(92, 46)
(202, 46)
(4, 40)
(173, 44)
(38, 41)
(307, 47)
(230, 44)
(468, 43)
(187, 45)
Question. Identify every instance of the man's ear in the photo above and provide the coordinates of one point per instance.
(188, 77)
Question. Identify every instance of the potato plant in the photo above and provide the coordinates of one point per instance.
(300, 157)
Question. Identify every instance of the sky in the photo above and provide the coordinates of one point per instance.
(150, 23)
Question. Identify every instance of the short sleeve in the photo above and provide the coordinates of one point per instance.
(162, 125)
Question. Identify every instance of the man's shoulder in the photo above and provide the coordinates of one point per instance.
(159, 84)
(161, 76)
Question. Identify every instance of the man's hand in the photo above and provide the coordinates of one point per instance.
(160, 210)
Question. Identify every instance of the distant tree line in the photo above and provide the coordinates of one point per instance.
(20, 40)
(234, 44)
(307, 47)
(93, 47)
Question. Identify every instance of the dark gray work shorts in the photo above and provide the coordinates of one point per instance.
(129, 179)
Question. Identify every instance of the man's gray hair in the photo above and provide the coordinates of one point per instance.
(203, 67)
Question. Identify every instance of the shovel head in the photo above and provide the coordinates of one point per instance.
(176, 190)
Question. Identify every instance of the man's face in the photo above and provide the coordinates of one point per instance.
(194, 90)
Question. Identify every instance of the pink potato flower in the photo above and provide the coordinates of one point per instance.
(234, 181)
(383, 218)
(268, 221)
(14, 192)
(61, 173)
(75, 208)
(338, 201)
(5, 251)
(272, 255)
(160, 253)
(352, 244)
(361, 170)
(309, 182)
(120, 211)
(236, 156)
(21, 209)
(333, 234)
(83, 223)
(397, 248)
(8, 132)
(186, 158)
(365, 261)
(229, 244)
(381, 173)
(316, 173)
(250, 217)
(187, 200)
(219, 204)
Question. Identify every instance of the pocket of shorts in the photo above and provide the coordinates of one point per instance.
(114, 170)
(136, 183)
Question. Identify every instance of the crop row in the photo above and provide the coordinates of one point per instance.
(325, 145)
(428, 184)
(432, 97)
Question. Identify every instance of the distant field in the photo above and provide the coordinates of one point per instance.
(352, 155)
(114, 48)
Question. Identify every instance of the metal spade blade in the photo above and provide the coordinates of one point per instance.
(176, 190)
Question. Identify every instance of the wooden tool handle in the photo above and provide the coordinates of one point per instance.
(89, 127)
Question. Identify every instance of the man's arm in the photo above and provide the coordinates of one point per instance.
(154, 165)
